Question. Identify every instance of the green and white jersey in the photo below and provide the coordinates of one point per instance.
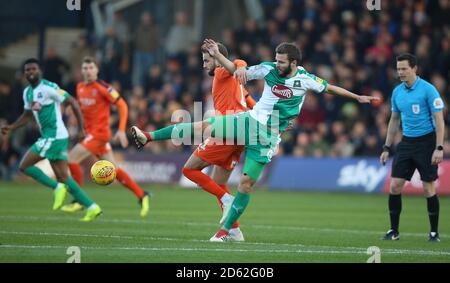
(44, 101)
(282, 97)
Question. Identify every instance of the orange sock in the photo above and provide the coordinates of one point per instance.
(77, 174)
(126, 180)
(204, 181)
(225, 188)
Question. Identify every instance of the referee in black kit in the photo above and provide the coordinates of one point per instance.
(418, 105)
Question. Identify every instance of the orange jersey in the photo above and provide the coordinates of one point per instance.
(228, 93)
(95, 100)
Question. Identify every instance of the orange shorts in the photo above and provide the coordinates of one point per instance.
(225, 156)
(96, 146)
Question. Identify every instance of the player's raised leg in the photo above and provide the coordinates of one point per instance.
(176, 131)
(130, 184)
(27, 167)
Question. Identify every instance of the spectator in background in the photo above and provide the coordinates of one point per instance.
(317, 147)
(180, 38)
(9, 157)
(153, 80)
(9, 103)
(55, 67)
(121, 27)
(146, 43)
(250, 33)
(111, 55)
(443, 57)
(80, 49)
(312, 113)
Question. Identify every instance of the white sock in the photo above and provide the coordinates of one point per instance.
(60, 186)
(234, 230)
(93, 206)
(433, 234)
(226, 198)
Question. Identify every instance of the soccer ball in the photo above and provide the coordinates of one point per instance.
(103, 172)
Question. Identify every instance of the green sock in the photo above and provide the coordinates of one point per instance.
(173, 132)
(78, 193)
(237, 208)
(41, 177)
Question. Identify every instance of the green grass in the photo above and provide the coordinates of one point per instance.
(278, 227)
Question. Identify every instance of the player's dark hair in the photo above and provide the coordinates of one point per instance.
(292, 51)
(222, 49)
(31, 61)
(89, 60)
(412, 60)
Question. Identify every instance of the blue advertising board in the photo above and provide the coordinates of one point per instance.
(328, 174)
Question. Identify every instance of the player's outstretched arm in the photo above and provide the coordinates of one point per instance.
(76, 109)
(20, 122)
(332, 89)
(123, 117)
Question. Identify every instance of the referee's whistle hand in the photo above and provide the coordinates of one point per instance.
(384, 157)
(437, 157)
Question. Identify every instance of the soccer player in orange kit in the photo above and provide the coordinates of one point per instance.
(95, 98)
(229, 97)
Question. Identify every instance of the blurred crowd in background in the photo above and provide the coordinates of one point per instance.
(341, 41)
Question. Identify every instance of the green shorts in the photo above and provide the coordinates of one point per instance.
(51, 148)
(243, 129)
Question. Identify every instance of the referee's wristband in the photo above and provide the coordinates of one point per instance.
(387, 148)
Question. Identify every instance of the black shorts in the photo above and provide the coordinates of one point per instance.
(415, 153)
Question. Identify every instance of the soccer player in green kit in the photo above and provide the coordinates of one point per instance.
(286, 84)
(42, 99)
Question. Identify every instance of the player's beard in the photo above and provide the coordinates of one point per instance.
(211, 72)
(286, 72)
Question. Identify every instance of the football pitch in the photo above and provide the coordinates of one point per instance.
(279, 227)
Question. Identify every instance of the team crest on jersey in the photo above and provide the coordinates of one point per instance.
(282, 91)
(416, 108)
(39, 95)
(94, 92)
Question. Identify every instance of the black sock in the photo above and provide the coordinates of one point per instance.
(395, 207)
(433, 212)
